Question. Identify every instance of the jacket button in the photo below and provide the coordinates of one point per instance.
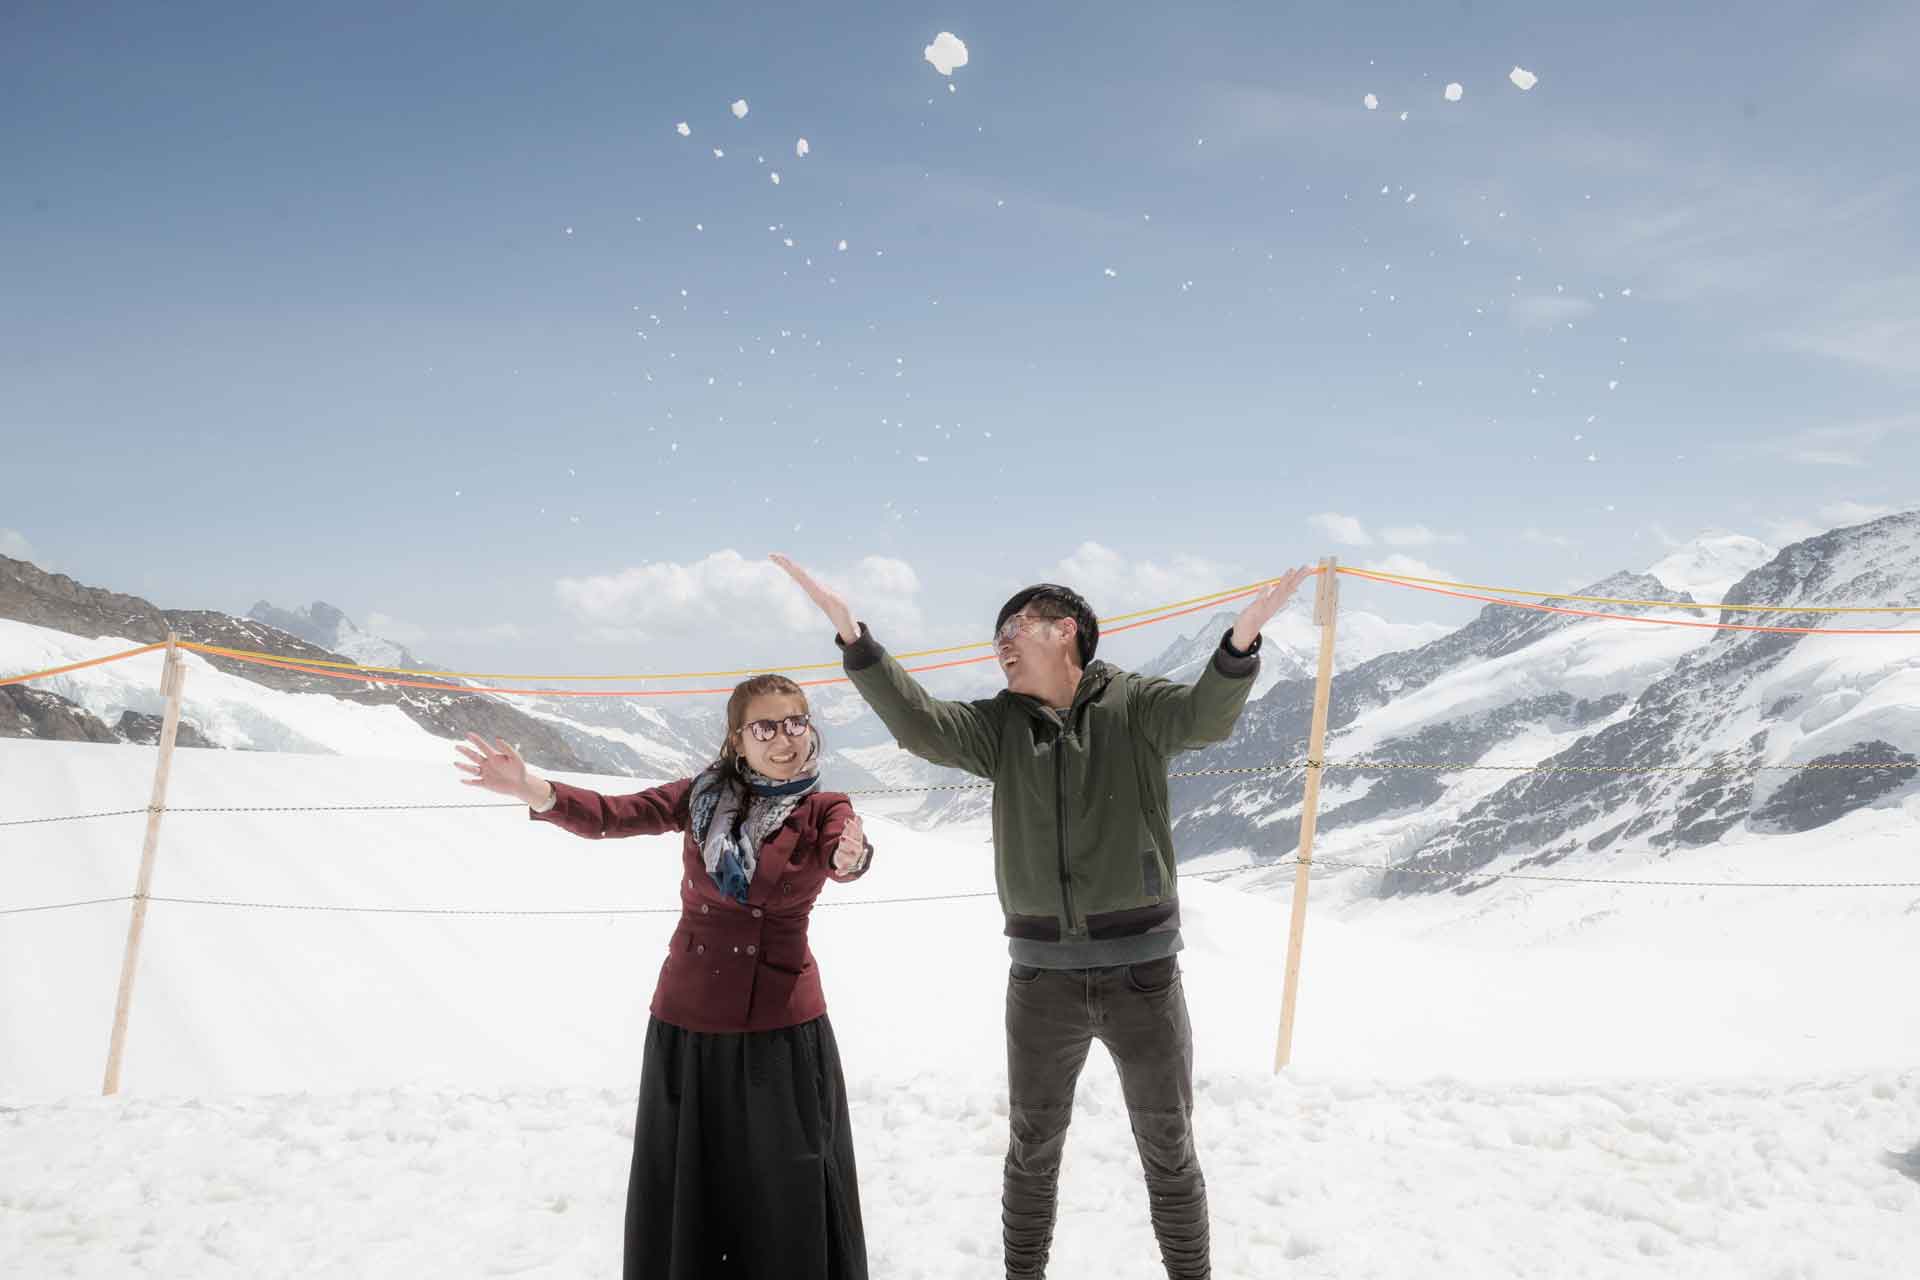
(703, 909)
(700, 948)
(757, 913)
(751, 949)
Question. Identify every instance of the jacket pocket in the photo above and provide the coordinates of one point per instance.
(1150, 872)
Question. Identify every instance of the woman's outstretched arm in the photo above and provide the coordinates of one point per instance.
(498, 768)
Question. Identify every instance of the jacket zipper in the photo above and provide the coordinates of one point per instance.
(1060, 818)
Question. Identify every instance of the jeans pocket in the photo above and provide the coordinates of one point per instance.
(1022, 974)
(1152, 977)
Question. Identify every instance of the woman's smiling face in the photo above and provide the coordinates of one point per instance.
(781, 758)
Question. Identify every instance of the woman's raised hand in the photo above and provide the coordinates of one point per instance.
(499, 768)
(830, 601)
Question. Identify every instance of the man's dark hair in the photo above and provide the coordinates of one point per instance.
(1054, 601)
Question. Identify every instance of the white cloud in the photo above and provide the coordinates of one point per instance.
(725, 595)
(1842, 444)
(14, 543)
(1345, 530)
(1416, 535)
(1114, 584)
(1872, 325)
(1783, 532)
(1407, 566)
(388, 627)
(1829, 516)
(495, 633)
(1665, 536)
(1849, 512)
(1541, 538)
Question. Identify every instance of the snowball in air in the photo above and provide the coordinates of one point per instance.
(740, 109)
(800, 148)
(1373, 103)
(1523, 78)
(946, 52)
(1454, 91)
(683, 129)
(775, 177)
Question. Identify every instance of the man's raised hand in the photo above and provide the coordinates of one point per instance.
(1265, 604)
(830, 601)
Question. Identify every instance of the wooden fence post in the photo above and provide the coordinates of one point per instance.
(173, 677)
(1326, 604)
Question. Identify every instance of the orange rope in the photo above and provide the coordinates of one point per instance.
(76, 666)
(285, 665)
(1162, 610)
(557, 693)
(1623, 617)
(651, 693)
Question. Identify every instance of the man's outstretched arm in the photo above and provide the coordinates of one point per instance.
(1181, 717)
(960, 735)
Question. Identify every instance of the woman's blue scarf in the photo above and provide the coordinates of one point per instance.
(735, 811)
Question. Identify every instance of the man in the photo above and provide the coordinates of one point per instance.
(1083, 851)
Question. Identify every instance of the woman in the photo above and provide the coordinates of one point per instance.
(742, 1152)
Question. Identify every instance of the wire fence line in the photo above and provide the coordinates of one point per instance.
(1465, 875)
(1277, 767)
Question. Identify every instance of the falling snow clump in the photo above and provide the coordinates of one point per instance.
(946, 52)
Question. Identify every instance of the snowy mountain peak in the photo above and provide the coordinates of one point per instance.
(1707, 567)
(329, 627)
(1876, 563)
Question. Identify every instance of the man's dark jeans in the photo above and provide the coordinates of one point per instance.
(1139, 1012)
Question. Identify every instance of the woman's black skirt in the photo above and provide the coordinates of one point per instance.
(743, 1159)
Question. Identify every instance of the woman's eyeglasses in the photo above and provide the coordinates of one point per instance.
(793, 726)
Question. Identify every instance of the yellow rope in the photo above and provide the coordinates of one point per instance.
(1650, 604)
(687, 675)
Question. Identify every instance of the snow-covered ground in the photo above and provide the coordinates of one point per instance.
(1538, 1079)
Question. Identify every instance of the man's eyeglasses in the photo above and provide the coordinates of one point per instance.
(793, 726)
(1013, 627)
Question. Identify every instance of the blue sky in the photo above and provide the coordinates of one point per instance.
(386, 307)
